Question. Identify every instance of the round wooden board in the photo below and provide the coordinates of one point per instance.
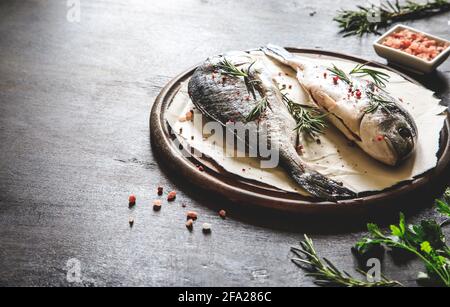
(246, 192)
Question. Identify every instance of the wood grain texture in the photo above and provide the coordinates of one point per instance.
(74, 105)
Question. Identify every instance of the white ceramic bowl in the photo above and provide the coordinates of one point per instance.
(406, 60)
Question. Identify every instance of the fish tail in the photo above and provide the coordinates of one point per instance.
(315, 183)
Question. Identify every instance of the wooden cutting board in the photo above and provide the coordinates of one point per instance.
(248, 192)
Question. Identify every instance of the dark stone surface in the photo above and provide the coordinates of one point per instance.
(74, 106)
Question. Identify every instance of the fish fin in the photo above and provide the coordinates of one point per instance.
(315, 183)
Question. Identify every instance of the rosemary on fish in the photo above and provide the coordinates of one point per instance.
(258, 110)
(377, 101)
(310, 120)
(340, 73)
(229, 69)
(370, 19)
(325, 272)
(361, 70)
(378, 77)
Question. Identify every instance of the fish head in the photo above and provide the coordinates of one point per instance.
(401, 134)
(389, 139)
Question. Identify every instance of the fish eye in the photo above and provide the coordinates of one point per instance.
(404, 132)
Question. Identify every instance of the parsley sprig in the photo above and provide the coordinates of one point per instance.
(424, 240)
(380, 78)
(258, 110)
(228, 68)
(310, 120)
(326, 273)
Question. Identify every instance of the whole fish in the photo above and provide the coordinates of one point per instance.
(363, 111)
(224, 96)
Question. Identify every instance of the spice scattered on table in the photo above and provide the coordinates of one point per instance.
(191, 215)
(157, 205)
(190, 224)
(200, 168)
(160, 190)
(223, 214)
(131, 200)
(206, 228)
(171, 196)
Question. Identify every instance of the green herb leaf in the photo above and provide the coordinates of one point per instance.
(426, 247)
(228, 68)
(378, 77)
(377, 101)
(310, 120)
(361, 70)
(443, 207)
(396, 231)
(424, 240)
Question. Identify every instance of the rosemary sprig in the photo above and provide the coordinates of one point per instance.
(310, 120)
(228, 68)
(326, 273)
(379, 78)
(377, 101)
(361, 70)
(340, 73)
(258, 110)
(371, 18)
(425, 241)
(443, 207)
